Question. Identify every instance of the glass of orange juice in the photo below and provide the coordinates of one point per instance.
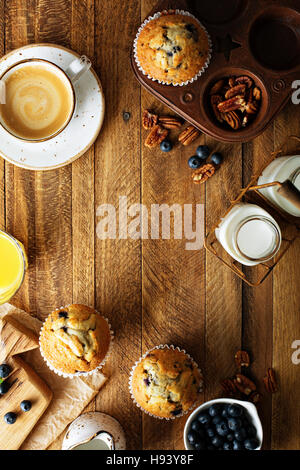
(13, 265)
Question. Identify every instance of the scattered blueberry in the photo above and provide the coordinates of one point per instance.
(4, 371)
(240, 435)
(217, 441)
(214, 410)
(10, 418)
(166, 145)
(222, 429)
(204, 418)
(235, 411)
(216, 158)
(203, 152)
(4, 387)
(251, 444)
(237, 445)
(26, 405)
(195, 162)
(234, 424)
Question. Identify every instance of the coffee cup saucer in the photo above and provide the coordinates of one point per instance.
(81, 132)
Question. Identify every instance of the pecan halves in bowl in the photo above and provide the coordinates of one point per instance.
(203, 173)
(245, 80)
(215, 100)
(232, 104)
(156, 136)
(233, 119)
(149, 119)
(236, 90)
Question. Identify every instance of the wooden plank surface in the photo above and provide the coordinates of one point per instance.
(152, 291)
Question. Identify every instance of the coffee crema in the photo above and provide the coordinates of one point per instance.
(38, 102)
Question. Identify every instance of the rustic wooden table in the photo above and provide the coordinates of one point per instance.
(153, 291)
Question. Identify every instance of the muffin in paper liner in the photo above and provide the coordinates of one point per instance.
(174, 348)
(83, 373)
(172, 12)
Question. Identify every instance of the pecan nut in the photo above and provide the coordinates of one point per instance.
(217, 87)
(256, 93)
(242, 359)
(188, 135)
(270, 381)
(149, 119)
(215, 100)
(156, 136)
(170, 122)
(229, 387)
(244, 384)
(255, 397)
(237, 102)
(233, 119)
(252, 107)
(245, 80)
(239, 89)
(203, 173)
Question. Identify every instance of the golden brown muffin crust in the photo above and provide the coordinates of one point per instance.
(166, 383)
(75, 339)
(173, 48)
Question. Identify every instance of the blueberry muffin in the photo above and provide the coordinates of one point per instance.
(173, 48)
(75, 339)
(166, 382)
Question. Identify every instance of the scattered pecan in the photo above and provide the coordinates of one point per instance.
(245, 80)
(229, 387)
(244, 384)
(255, 397)
(233, 119)
(236, 90)
(215, 100)
(256, 93)
(242, 359)
(170, 122)
(149, 119)
(203, 173)
(188, 135)
(270, 381)
(217, 87)
(237, 102)
(156, 136)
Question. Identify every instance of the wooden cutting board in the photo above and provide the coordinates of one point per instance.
(25, 384)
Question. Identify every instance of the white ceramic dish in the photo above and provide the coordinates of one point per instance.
(83, 128)
(246, 404)
(86, 432)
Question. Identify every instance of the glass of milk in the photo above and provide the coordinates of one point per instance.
(249, 234)
(281, 169)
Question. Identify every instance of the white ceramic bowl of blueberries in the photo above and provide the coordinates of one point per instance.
(224, 424)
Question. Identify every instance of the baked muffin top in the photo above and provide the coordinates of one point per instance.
(75, 339)
(173, 48)
(166, 382)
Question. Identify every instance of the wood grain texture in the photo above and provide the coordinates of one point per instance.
(152, 291)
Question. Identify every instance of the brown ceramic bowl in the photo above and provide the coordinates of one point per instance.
(249, 38)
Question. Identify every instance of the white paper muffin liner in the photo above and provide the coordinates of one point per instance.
(165, 346)
(78, 374)
(173, 12)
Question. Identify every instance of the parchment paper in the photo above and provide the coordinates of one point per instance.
(70, 396)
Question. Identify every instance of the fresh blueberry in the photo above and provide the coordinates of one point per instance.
(227, 446)
(217, 419)
(166, 145)
(230, 437)
(4, 387)
(235, 411)
(240, 435)
(217, 441)
(10, 418)
(26, 405)
(214, 410)
(251, 444)
(4, 371)
(194, 162)
(234, 424)
(200, 445)
(192, 437)
(251, 431)
(237, 445)
(203, 418)
(203, 152)
(222, 429)
(216, 158)
(210, 432)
